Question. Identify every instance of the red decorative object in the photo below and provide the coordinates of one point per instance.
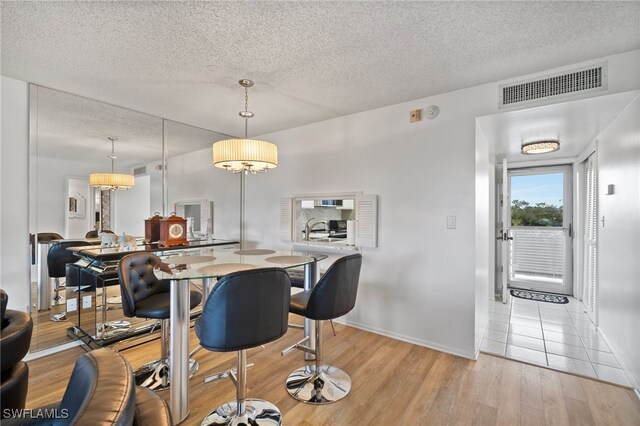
(173, 231)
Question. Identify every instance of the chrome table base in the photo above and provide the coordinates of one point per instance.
(258, 412)
(328, 385)
(111, 328)
(156, 375)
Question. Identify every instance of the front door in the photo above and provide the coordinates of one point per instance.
(540, 253)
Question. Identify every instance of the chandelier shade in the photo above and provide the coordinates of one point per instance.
(111, 181)
(540, 147)
(245, 154)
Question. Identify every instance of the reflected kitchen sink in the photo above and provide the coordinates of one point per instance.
(327, 240)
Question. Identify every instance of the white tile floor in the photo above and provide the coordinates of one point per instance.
(551, 335)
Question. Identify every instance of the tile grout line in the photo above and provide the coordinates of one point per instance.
(584, 346)
(544, 340)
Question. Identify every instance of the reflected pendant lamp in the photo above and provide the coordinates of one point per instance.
(112, 180)
(245, 155)
(540, 147)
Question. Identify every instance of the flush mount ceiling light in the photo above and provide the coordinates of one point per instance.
(111, 180)
(245, 155)
(540, 147)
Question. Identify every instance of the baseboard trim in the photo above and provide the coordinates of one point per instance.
(632, 379)
(50, 351)
(408, 339)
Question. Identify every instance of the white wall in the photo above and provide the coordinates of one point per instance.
(50, 203)
(619, 238)
(193, 177)
(77, 226)
(14, 191)
(419, 285)
(132, 207)
(484, 245)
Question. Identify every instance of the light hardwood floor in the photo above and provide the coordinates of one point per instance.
(393, 383)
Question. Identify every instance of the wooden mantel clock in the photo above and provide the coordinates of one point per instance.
(152, 228)
(173, 231)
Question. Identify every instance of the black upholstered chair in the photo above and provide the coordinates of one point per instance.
(15, 339)
(332, 297)
(297, 281)
(102, 391)
(145, 296)
(57, 259)
(43, 237)
(244, 310)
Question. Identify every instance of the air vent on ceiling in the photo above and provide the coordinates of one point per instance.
(578, 81)
(140, 170)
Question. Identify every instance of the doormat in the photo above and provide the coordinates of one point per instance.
(540, 297)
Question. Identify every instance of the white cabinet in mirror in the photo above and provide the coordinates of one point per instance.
(344, 220)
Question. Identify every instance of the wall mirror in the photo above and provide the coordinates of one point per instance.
(192, 177)
(199, 215)
(69, 140)
(324, 218)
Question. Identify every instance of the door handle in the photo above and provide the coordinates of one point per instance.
(569, 230)
(504, 236)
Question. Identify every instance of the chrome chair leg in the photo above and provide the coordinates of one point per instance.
(106, 329)
(243, 411)
(156, 374)
(317, 384)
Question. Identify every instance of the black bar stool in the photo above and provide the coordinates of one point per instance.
(244, 310)
(145, 296)
(332, 297)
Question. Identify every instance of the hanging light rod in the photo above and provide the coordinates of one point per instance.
(245, 155)
(540, 147)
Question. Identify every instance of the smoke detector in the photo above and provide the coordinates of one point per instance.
(431, 112)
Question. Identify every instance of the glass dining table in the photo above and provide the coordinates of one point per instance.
(209, 264)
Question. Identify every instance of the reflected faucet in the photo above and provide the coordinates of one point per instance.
(307, 228)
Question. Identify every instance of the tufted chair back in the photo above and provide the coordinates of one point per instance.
(335, 293)
(138, 281)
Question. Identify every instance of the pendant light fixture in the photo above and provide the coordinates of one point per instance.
(540, 147)
(245, 155)
(111, 180)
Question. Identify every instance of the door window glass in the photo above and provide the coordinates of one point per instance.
(537, 200)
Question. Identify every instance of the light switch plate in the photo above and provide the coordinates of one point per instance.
(86, 302)
(72, 305)
(451, 222)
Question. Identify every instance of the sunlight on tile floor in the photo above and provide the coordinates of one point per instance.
(562, 337)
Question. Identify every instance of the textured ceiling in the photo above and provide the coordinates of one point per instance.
(311, 60)
(70, 126)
